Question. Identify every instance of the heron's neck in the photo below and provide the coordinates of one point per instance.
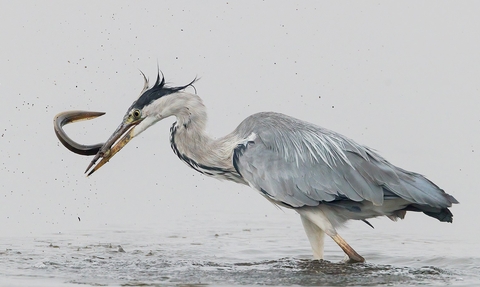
(194, 146)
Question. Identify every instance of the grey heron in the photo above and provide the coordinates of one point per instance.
(324, 176)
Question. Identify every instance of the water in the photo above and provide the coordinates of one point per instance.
(265, 252)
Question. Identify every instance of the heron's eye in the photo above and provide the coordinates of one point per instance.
(136, 114)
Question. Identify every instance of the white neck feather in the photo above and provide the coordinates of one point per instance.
(191, 140)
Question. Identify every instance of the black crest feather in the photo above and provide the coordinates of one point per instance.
(158, 90)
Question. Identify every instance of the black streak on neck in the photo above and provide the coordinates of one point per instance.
(208, 170)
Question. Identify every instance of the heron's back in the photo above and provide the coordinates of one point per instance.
(296, 163)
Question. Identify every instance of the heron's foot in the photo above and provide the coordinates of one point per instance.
(349, 260)
(353, 256)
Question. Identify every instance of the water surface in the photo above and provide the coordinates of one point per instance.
(265, 253)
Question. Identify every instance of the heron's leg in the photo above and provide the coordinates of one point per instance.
(318, 217)
(315, 235)
(353, 256)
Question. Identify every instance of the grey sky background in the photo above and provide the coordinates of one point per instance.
(400, 77)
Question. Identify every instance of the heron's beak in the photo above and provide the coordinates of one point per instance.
(122, 135)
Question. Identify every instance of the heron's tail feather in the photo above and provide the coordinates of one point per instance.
(442, 214)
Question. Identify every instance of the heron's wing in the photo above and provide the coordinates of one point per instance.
(297, 163)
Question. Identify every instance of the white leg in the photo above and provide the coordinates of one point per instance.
(318, 218)
(315, 235)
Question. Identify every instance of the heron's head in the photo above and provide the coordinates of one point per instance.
(154, 104)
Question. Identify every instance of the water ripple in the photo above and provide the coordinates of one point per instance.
(134, 262)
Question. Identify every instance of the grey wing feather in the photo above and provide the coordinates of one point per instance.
(300, 164)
